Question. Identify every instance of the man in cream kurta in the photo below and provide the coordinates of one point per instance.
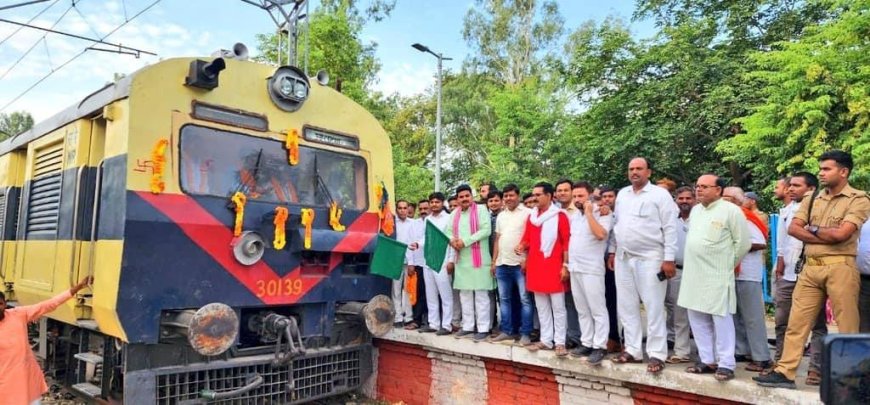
(717, 240)
(469, 232)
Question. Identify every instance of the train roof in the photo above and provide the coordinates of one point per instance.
(87, 106)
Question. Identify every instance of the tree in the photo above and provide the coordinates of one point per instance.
(500, 110)
(674, 97)
(410, 125)
(509, 37)
(14, 123)
(816, 97)
(335, 44)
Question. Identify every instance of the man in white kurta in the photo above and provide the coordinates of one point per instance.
(645, 236)
(439, 291)
(589, 232)
(717, 240)
(407, 231)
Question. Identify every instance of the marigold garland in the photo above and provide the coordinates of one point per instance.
(281, 215)
(239, 199)
(383, 197)
(307, 221)
(158, 159)
(292, 145)
(335, 217)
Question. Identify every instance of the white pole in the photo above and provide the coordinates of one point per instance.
(438, 132)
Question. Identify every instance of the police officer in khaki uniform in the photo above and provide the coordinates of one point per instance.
(830, 234)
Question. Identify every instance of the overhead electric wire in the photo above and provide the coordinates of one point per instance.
(88, 23)
(26, 3)
(22, 94)
(66, 34)
(27, 52)
(28, 21)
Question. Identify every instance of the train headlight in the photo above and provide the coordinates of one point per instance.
(288, 88)
(300, 91)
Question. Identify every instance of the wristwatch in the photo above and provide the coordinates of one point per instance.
(814, 230)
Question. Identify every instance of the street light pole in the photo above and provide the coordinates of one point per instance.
(441, 59)
(438, 131)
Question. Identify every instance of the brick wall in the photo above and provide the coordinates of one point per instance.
(643, 394)
(513, 383)
(404, 373)
(417, 374)
(457, 379)
(577, 388)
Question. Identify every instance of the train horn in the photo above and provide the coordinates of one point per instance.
(239, 52)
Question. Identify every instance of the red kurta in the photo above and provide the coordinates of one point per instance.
(21, 379)
(543, 275)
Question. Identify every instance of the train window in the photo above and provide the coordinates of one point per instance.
(219, 163)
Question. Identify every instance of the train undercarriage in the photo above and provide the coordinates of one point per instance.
(268, 362)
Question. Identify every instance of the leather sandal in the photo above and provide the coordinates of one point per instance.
(724, 374)
(813, 378)
(655, 366)
(701, 368)
(625, 358)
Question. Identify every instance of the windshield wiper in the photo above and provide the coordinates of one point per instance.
(242, 184)
(321, 185)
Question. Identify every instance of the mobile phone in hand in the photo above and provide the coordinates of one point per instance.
(661, 275)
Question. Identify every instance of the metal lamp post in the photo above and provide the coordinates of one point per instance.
(441, 59)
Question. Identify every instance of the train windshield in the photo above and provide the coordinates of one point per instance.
(219, 163)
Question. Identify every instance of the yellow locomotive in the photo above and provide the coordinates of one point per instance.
(227, 210)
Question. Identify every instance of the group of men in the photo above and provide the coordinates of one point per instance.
(571, 266)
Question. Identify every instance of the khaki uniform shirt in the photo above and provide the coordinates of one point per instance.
(829, 211)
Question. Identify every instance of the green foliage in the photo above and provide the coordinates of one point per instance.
(749, 90)
(335, 44)
(817, 97)
(14, 123)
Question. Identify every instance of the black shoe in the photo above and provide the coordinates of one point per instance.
(581, 351)
(427, 329)
(742, 358)
(480, 337)
(443, 332)
(464, 334)
(596, 357)
(775, 380)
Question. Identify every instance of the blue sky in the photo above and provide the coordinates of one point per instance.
(198, 27)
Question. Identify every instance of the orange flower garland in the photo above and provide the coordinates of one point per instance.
(292, 145)
(239, 200)
(335, 217)
(280, 234)
(158, 158)
(383, 197)
(307, 221)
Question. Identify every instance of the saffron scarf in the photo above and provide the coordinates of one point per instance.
(476, 255)
(755, 220)
(753, 217)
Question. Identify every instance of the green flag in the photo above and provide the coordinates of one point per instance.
(435, 248)
(389, 258)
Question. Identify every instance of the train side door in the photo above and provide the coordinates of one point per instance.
(50, 212)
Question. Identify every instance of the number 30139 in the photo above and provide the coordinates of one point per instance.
(276, 288)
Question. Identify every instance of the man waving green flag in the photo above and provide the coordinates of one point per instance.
(435, 248)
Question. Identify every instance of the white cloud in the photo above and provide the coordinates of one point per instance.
(152, 31)
(406, 79)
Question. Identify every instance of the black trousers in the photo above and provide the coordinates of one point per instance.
(610, 297)
(419, 309)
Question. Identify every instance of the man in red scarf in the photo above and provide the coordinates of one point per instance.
(750, 328)
(546, 238)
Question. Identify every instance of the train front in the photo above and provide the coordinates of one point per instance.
(251, 211)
